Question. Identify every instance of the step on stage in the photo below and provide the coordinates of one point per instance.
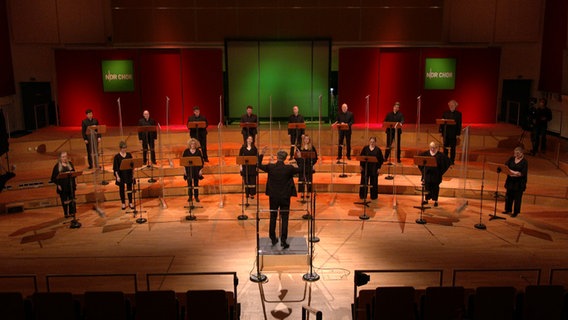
(273, 256)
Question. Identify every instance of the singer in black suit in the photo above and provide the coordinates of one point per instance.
(66, 186)
(370, 170)
(124, 178)
(450, 133)
(91, 141)
(199, 133)
(516, 182)
(433, 175)
(249, 117)
(295, 134)
(394, 116)
(344, 117)
(147, 138)
(279, 188)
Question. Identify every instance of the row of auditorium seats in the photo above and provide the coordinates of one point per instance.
(114, 305)
(444, 303)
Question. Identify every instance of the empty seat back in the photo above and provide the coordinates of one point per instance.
(494, 303)
(395, 303)
(441, 303)
(152, 305)
(207, 304)
(105, 305)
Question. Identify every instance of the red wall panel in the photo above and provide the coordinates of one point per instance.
(357, 78)
(7, 75)
(80, 87)
(159, 77)
(202, 77)
(399, 80)
(188, 77)
(390, 75)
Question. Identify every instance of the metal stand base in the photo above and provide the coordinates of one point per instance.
(190, 217)
(480, 226)
(314, 239)
(258, 278)
(364, 216)
(104, 182)
(307, 216)
(152, 180)
(495, 216)
(420, 221)
(141, 220)
(242, 217)
(311, 276)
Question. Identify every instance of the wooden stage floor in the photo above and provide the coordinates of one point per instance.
(39, 241)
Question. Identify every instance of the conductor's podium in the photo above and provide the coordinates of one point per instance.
(275, 257)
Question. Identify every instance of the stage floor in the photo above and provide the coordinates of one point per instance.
(40, 242)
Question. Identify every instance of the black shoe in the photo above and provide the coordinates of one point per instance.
(196, 199)
(398, 161)
(284, 244)
(435, 203)
(338, 162)
(205, 160)
(154, 163)
(506, 212)
(348, 158)
(123, 206)
(90, 167)
(425, 202)
(514, 214)
(252, 197)
(189, 199)
(274, 242)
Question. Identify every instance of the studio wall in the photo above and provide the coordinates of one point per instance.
(187, 77)
(397, 74)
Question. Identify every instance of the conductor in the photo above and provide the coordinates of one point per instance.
(279, 188)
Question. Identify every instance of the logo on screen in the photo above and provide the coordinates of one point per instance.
(118, 75)
(440, 73)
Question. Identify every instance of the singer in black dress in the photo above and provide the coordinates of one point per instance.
(194, 173)
(516, 182)
(65, 186)
(433, 175)
(124, 178)
(306, 165)
(370, 170)
(248, 172)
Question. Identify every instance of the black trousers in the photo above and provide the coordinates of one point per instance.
(92, 150)
(195, 186)
(433, 190)
(148, 144)
(281, 206)
(373, 181)
(344, 135)
(390, 140)
(122, 192)
(68, 208)
(250, 184)
(450, 146)
(513, 199)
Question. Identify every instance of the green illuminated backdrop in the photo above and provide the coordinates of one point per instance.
(291, 72)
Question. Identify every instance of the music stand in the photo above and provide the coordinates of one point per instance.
(390, 125)
(342, 127)
(499, 168)
(249, 126)
(191, 161)
(296, 126)
(423, 161)
(95, 130)
(68, 175)
(131, 164)
(307, 156)
(146, 130)
(444, 122)
(365, 203)
(246, 161)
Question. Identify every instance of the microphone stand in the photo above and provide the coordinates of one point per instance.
(391, 127)
(191, 161)
(365, 185)
(130, 164)
(258, 277)
(245, 161)
(480, 225)
(311, 275)
(498, 168)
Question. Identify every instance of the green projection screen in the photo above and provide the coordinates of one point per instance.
(287, 72)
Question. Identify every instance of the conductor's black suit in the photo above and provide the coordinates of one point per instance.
(279, 188)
